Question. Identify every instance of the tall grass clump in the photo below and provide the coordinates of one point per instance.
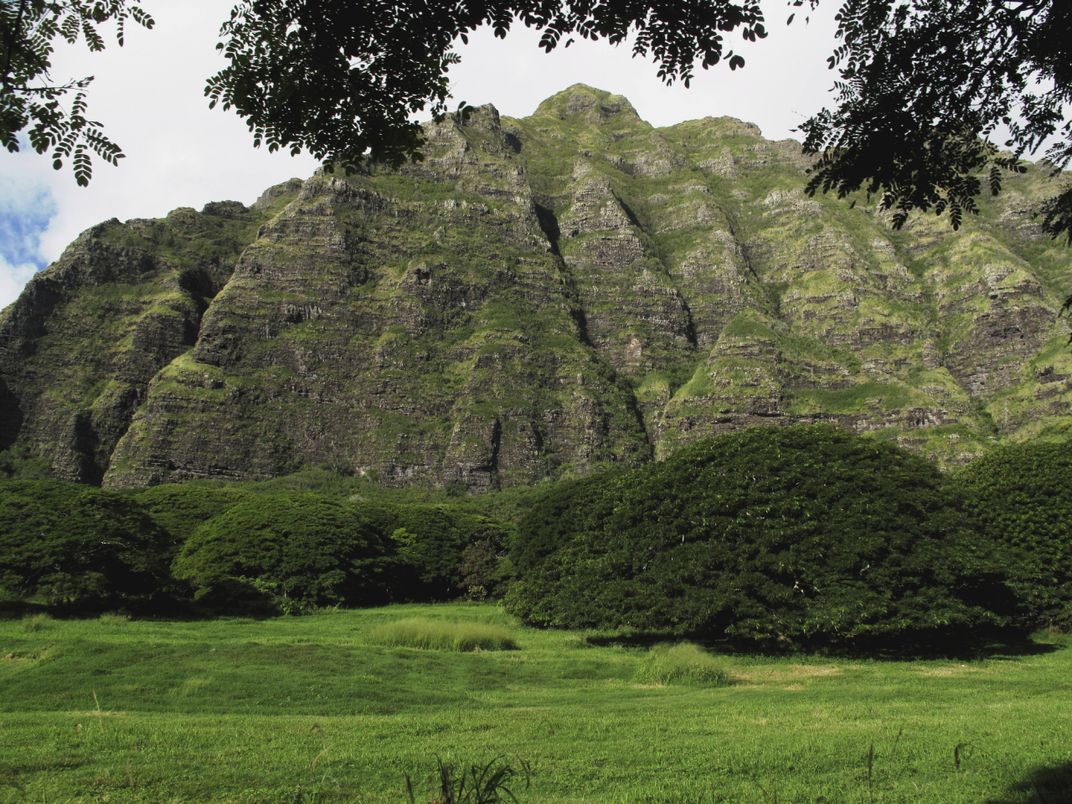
(475, 784)
(422, 632)
(37, 622)
(112, 618)
(682, 663)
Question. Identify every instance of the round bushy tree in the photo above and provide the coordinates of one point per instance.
(295, 549)
(1021, 498)
(803, 535)
(77, 546)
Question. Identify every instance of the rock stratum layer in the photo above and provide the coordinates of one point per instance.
(536, 298)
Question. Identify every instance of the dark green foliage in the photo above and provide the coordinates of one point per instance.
(1021, 498)
(297, 550)
(71, 545)
(442, 550)
(558, 515)
(924, 89)
(485, 568)
(796, 535)
(32, 102)
(18, 463)
(180, 508)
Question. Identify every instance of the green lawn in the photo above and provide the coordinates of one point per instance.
(315, 709)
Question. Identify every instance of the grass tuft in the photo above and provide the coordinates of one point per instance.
(37, 622)
(476, 784)
(422, 632)
(683, 663)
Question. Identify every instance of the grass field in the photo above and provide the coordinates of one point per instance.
(316, 709)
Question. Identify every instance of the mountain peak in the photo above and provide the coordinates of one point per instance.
(581, 100)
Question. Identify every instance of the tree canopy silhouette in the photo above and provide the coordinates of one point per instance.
(924, 85)
(32, 102)
(923, 88)
(340, 78)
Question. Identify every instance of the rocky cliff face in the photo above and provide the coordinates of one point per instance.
(537, 297)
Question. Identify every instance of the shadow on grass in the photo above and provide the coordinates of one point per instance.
(1045, 785)
(168, 612)
(13, 776)
(998, 644)
(163, 609)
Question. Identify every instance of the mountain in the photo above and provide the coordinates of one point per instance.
(536, 298)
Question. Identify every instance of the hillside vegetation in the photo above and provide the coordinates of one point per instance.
(539, 298)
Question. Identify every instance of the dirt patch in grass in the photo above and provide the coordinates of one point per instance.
(948, 671)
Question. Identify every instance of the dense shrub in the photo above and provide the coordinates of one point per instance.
(486, 569)
(1021, 498)
(800, 535)
(77, 546)
(442, 551)
(18, 463)
(294, 550)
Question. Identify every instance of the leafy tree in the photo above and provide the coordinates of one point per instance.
(337, 78)
(294, 550)
(31, 101)
(801, 535)
(66, 544)
(180, 508)
(922, 83)
(1021, 498)
(485, 567)
(441, 551)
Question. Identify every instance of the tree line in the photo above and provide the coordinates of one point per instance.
(802, 536)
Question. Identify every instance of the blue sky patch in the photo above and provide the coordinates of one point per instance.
(25, 213)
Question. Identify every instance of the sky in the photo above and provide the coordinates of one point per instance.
(149, 97)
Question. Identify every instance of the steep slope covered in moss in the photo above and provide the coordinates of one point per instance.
(538, 297)
(80, 345)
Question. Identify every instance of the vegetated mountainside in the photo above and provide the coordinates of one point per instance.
(538, 297)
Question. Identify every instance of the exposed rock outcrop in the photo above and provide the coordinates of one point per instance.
(537, 298)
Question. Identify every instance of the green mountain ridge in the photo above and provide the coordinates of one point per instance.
(536, 298)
